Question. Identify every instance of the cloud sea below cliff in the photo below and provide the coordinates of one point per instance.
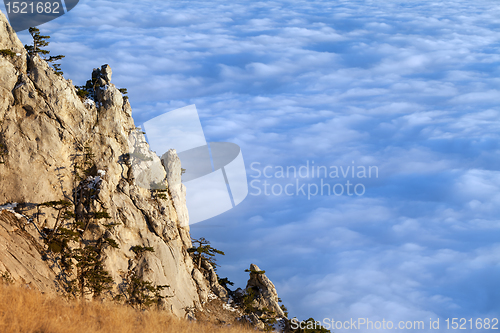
(412, 88)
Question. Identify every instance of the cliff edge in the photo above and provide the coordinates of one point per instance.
(51, 138)
(87, 209)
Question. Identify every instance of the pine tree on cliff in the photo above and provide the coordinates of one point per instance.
(203, 252)
(40, 41)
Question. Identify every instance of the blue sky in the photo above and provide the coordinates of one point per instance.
(409, 87)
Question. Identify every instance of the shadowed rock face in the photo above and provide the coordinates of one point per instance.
(43, 124)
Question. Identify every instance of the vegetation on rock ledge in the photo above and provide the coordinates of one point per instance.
(39, 42)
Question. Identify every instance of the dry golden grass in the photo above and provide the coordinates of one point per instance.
(27, 311)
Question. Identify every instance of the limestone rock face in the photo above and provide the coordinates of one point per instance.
(20, 254)
(213, 280)
(44, 127)
(106, 73)
(266, 295)
(172, 165)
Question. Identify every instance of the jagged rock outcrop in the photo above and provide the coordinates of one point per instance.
(213, 281)
(266, 296)
(260, 303)
(44, 128)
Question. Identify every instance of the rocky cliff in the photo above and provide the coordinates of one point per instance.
(45, 128)
(76, 174)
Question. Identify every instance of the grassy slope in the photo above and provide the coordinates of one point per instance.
(28, 311)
